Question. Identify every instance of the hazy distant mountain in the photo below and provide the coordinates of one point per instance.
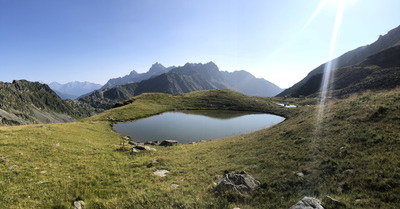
(187, 78)
(353, 57)
(134, 77)
(377, 72)
(73, 90)
(24, 102)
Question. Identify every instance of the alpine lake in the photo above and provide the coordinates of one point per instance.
(192, 126)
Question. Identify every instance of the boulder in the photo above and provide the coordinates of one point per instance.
(237, 182)
(308, 203)
(161, 173)
(154, 143)
(134, 150)
(167, 143)
(79, 204)
(142, 147)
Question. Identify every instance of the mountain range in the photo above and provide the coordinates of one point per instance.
(183, 79)
(311, 83)
(73, 90)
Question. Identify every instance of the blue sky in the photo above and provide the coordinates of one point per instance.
(94, 40)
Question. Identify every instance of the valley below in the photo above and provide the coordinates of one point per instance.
(351, 156)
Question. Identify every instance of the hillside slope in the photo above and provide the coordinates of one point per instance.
(353, 57)
(24, 102)
(379, 71)
(353, 157)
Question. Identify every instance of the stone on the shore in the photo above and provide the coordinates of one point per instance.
(167, 143)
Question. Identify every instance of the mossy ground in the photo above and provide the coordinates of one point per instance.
(352, 156)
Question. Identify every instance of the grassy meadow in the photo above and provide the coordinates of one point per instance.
(352, 156)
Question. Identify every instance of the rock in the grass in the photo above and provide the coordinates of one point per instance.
(168, 143)
(308, 203)
(161, 173)
(134, 150)
(12, 167)
(142, 147)
(155, 143)
(237, 182)
(3, 159)
(329, 202)
(79, 204)
(174, 186)
(132, 143)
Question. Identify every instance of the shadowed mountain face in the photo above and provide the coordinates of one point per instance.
(134, 77)
(188, 78)
(24, 102)
(379, 71)
(350, 58)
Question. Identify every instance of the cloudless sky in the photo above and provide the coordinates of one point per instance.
(95, 40)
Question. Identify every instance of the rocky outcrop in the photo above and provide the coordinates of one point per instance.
(237, 182)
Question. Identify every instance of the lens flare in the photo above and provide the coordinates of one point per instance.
(329, 69)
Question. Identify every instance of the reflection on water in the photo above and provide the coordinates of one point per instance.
(190, 126)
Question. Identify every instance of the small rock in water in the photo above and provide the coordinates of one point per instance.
(161, 173)
(168, 143)
(308, 203)
(79, 204)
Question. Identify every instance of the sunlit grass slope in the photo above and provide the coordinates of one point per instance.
(354, 157)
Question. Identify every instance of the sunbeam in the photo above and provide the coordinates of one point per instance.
(328, 74)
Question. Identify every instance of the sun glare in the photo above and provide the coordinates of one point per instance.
(328, 74)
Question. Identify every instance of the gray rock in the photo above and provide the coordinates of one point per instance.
(161, 173)
(134, 150)
(308, 203)
(241, 182)
(12, 167)
(329, 202)
(132, 143)
(142, 147)
(167, 143)
(174, 186)
(154, 143)
(79, 204)
(300, 174)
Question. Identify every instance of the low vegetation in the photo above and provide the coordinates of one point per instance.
(352, 156)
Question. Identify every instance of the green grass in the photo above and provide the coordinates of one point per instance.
(354, 157)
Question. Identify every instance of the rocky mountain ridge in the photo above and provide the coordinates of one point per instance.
(350, 58)
(24, 102)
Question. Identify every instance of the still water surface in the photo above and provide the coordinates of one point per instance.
(190, 126)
